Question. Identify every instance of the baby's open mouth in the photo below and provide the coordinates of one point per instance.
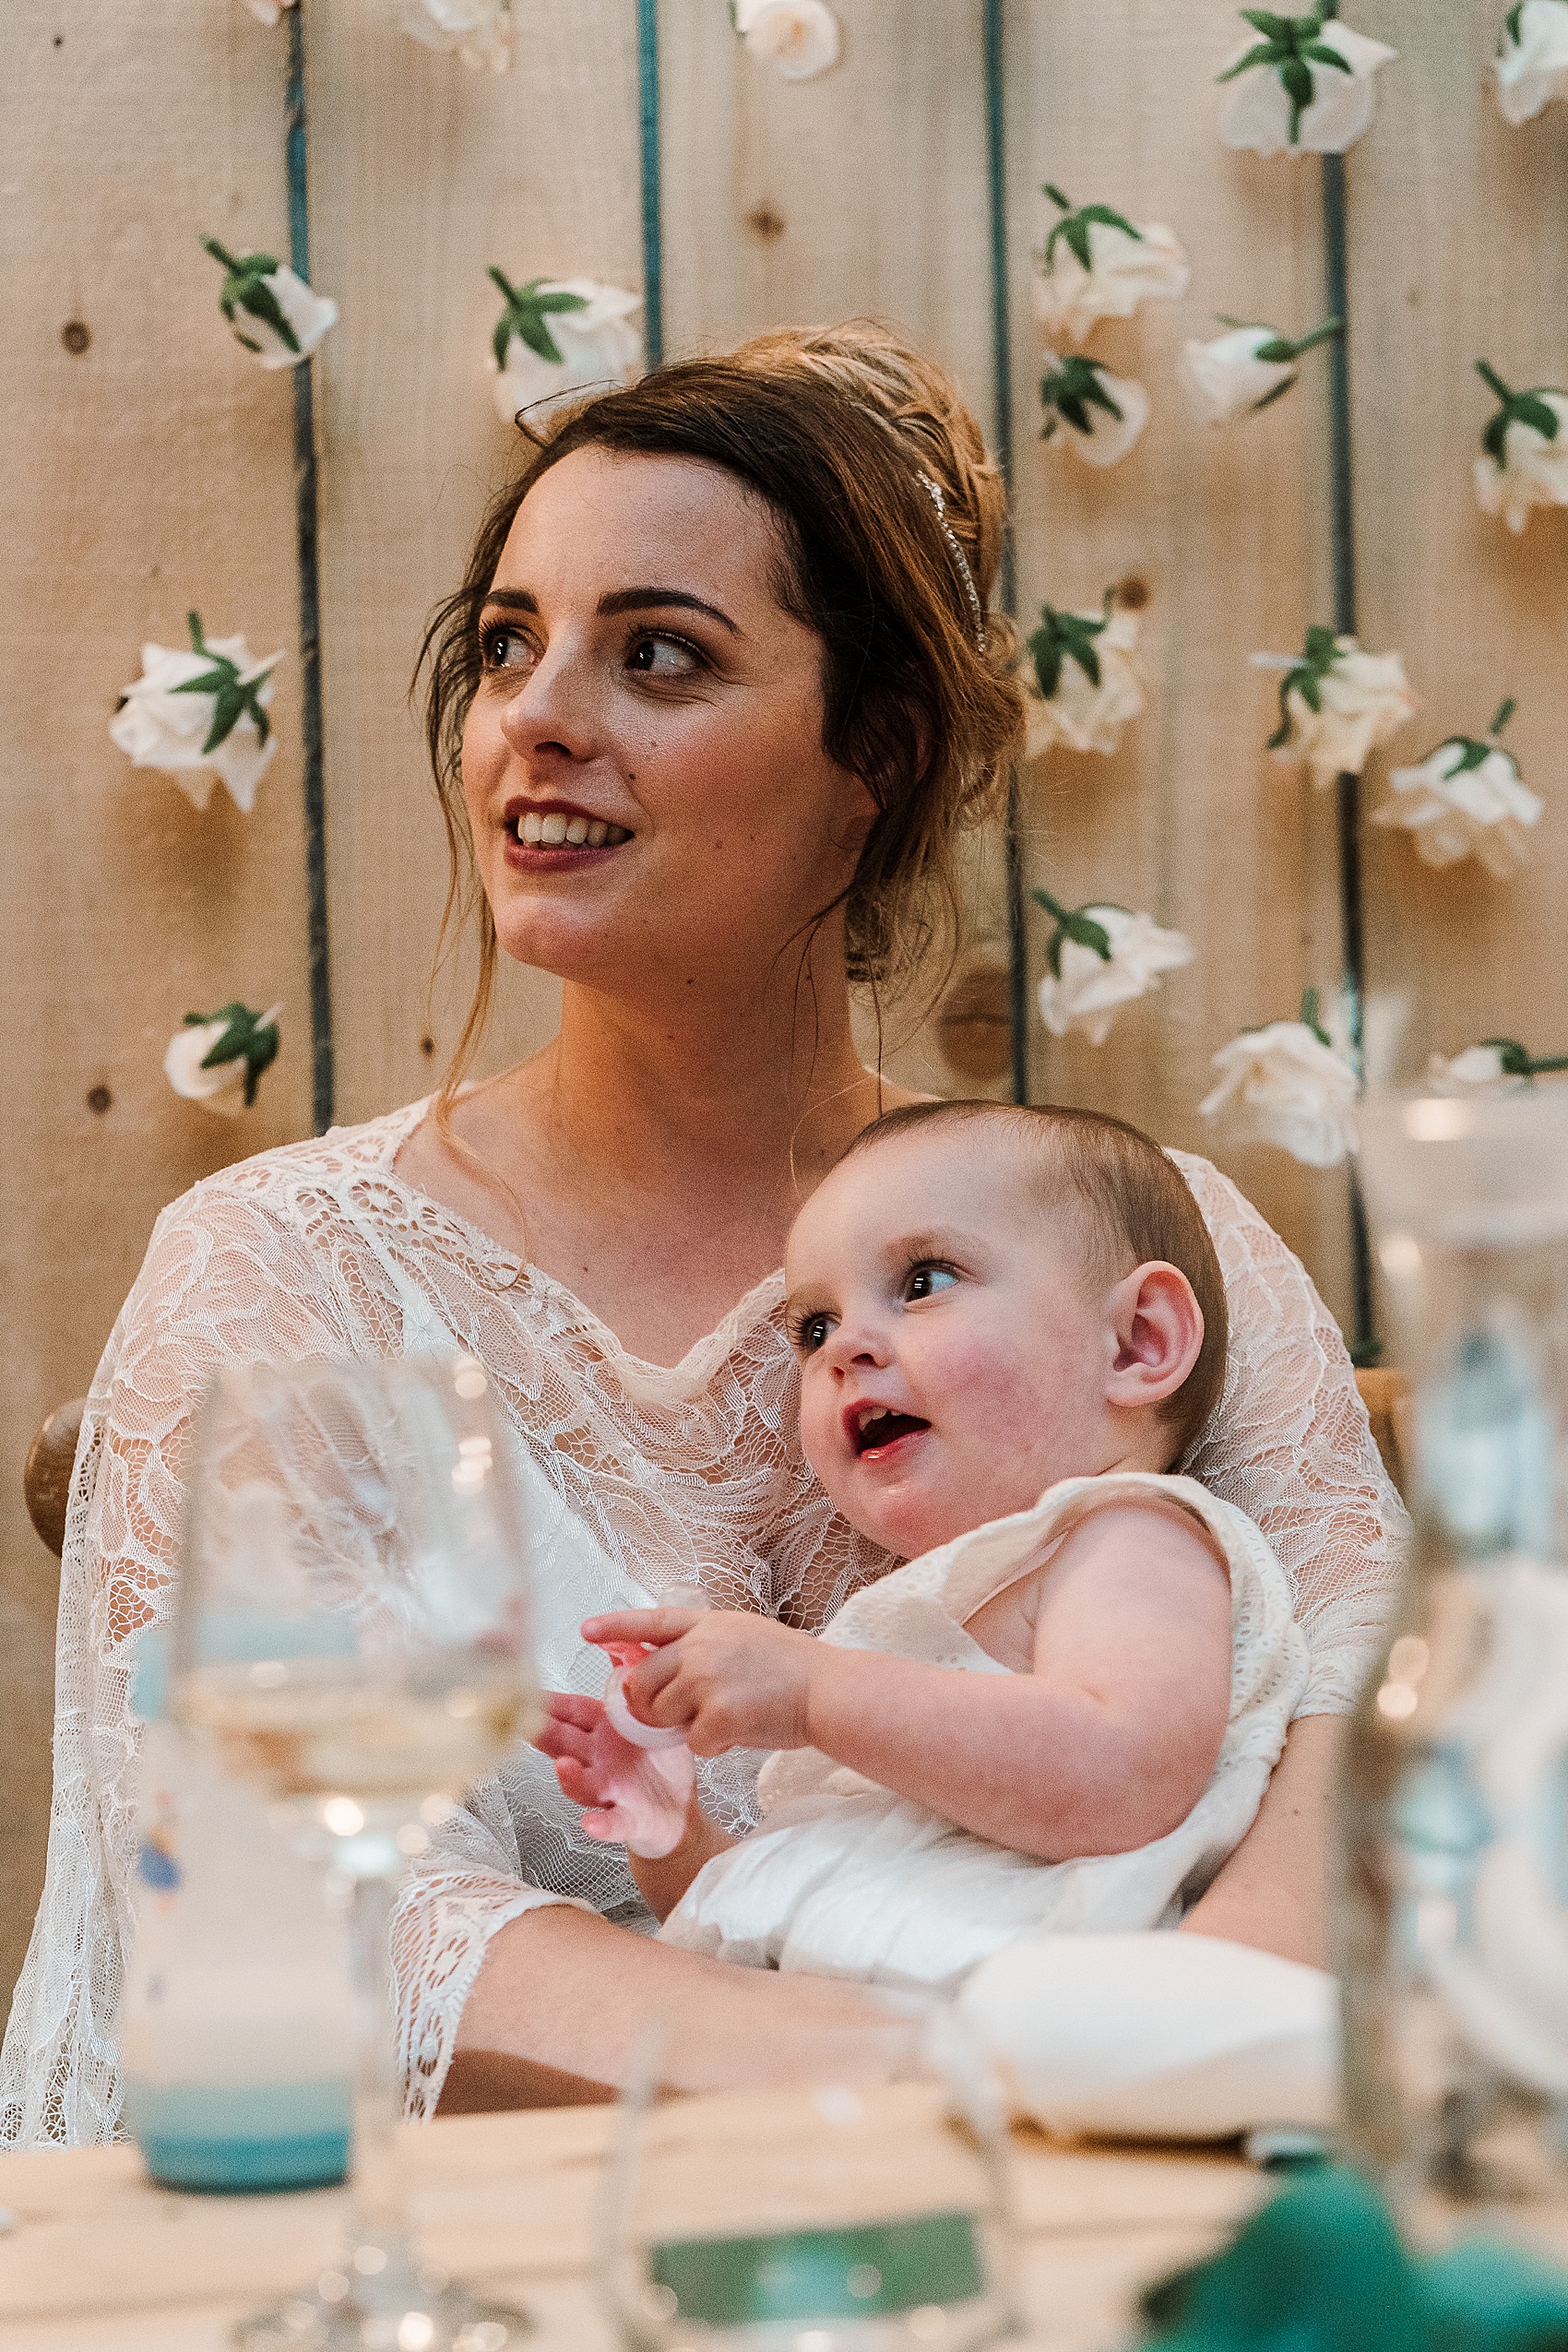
(878, 1428)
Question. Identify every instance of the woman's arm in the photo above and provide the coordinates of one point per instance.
(563, 2001)
(1271, 1890)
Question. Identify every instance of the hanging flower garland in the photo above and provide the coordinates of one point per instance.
(1532, 59)
(1306, 88)
(1100, 958)
(201, 715)
(1236, 375)
(478, 31)
(559, 335)
(1496, 1065)
(1096, 264)
(275, 314)
(799, 39)
(1290, 1084)
(1336, 703)
(1081, 685)
(1098, 415)
(1465, 799)
(1523, 459)
(217, 1059)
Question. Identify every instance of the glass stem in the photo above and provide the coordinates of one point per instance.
(378, 2214)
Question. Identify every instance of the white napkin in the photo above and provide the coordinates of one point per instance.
(1159, 2036)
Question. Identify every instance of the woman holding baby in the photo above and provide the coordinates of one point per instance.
(712, 705)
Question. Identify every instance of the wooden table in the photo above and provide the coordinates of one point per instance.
(102, 2261)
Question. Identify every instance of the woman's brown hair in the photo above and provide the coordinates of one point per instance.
(833, 429)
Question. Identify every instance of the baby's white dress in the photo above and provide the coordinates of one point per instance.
(846, 1878)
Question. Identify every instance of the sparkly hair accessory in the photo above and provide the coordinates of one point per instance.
(934, 492)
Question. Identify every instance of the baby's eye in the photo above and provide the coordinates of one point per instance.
(811, 1333)
(925, 1281)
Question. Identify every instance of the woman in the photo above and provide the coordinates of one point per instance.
(710, 712)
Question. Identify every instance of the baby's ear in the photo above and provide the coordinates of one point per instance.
(1158, 1328)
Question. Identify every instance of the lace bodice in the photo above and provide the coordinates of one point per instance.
(646, 1475)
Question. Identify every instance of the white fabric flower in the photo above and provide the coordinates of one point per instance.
(1067, 702)
(596, 343)
(1523, 459)
(479, 31)
(1287, 1085)
(274, 313)
(219, 732)
(1465, 799)
(1479, 1066)
(797, 37)
(1532, 59)
(229, 1086)
(1337, 703)
(1225, 379)
(1258, 111)
(1098, 414)
(1085, 989)
(1098, 265)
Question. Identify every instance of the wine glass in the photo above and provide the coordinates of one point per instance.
(352, 1639)
(853, 2199)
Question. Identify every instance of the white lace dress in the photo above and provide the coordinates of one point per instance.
(647, 1474)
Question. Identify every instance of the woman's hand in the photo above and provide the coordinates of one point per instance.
(726, 1680)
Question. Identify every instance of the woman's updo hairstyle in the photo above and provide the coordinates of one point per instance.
(833, 429)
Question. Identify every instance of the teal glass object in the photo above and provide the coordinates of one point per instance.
(806, 2274)
(240, 2139)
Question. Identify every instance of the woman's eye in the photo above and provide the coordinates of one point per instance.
(501, 648)
(925, 1281)
(664, 658)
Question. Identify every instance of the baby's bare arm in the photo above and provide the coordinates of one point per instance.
(1106, 1742)
(661, 1884)
(1111, 1737)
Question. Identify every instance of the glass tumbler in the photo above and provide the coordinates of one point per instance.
(1454, 1915)
(862, 2209)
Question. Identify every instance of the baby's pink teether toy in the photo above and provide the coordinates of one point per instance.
(648, 1772)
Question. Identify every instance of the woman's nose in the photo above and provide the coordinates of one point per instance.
(551, 712)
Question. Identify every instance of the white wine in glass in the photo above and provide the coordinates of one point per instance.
(352, 1640)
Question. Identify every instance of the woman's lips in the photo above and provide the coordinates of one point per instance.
(551, 837)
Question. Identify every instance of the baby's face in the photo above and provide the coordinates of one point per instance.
(954, 1357)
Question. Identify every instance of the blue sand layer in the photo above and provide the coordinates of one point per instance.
(238, 2137)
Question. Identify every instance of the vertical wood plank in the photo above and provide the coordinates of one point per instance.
(1227, 531)
(424, 172)
(1460, 250)
(150, 473)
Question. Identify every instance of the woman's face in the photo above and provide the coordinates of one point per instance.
(650, 802)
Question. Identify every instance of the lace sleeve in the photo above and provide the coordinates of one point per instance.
(1289, 1444)
(228, 1279)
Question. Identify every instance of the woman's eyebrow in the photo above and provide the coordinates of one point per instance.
(512, 600)
(643, 599)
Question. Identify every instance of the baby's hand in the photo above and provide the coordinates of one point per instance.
(728, 1680)
(632, 1796)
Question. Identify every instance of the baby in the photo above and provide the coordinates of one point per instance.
(1011, 1324)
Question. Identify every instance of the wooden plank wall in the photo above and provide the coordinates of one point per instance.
(154, 470)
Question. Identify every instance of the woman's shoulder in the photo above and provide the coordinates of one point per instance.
(273, 1186)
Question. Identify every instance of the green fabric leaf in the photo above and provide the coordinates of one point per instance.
(1503, 713)
(1076, 230)
(526, 309)
(1319, 654)
(1310, 1020)
(1529, 407)
(246, 1038)
(1073, 389)
(1272, 28)
(1321, 54)
(1076, 924)
(1268, 53)
(1064, 637)
(1511, 25)
(1278, 394)
(233, 697)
